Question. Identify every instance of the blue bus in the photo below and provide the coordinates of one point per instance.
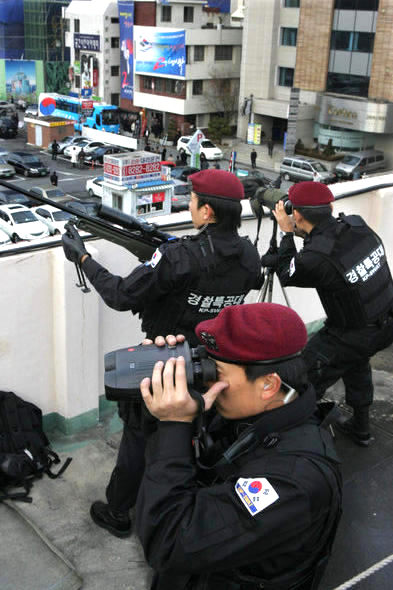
(84, 112)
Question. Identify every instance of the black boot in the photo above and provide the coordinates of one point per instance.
(117, 523)
(357, 427)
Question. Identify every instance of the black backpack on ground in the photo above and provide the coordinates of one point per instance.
(25, 453)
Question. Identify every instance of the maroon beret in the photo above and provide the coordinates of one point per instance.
(253, 333)
(310, 194)
(217, 183)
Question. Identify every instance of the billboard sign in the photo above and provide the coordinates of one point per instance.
(126, 23)
(160, 51)
(86, 42)
(220, 5)
(20, 79)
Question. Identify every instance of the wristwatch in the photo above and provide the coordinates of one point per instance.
(285, 233)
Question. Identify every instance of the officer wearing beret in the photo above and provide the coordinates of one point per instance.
(185, 281)
(345, 261)
(259, 507)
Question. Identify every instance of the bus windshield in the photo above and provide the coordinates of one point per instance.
(110, 117)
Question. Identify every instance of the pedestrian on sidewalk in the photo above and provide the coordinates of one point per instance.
(163, 154)
(53, 178)
(81, 157)
(74, 156)
(253, 157)
(270, 146)
(55, 148)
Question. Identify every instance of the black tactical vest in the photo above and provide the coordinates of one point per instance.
(216, 281)
(358, 254)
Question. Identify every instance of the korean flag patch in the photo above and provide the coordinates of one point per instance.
(255, 493)
(155, 259)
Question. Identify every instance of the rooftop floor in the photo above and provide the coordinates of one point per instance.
(71, 552)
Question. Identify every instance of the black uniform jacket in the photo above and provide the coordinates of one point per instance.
(159, 289)
(264, 519)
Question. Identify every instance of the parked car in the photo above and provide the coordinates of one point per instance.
(181, 196)
(6, 170)
(9, 197)
(27, 163)
(97, 154)
(53, 193)
(21, 104)
(183, 172)
(353, 165)
(94, 186)
(32, 110)
(87, 145)
(55, 219)
(20, 223)
(4, 238)
(65, 142)
(298, 168)
(207, 147)
(8, 127)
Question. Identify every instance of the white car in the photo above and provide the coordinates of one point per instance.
(54, 218)
(20, 223)
(207, 147)
(87, 145)
(4, 238)
(94, 186)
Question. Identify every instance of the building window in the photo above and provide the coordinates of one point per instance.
(356, 5)
(352, 41)
(115, 42)
(188, 14)
(77, 81)
(288, 36)
(117, 201)
(66, 25)
(199, 53)
(197, 87)
(147, 83)
(115, 20)
(223, 52)
(115, 99)
(285, 76)
(291, 3)
(158, 84)
(347, 84)
(188, 52)
(166, 14)
(76, 25)
(115, 70)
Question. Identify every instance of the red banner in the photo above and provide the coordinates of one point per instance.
(159, 197)
(87, 104)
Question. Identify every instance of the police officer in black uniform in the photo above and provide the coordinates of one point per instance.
(345, 261)
(260, 506)
(186, 281)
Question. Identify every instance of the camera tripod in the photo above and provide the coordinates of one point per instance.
(266, 292)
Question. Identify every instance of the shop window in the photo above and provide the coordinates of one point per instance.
(197, 87)
(117, 201)
(166, 14)
(188, 14)
(285, 76)
(77, 81)
(223, 52)
(288, 36)
(199, 53)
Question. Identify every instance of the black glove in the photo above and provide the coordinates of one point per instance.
(270, 260)
(73, 245)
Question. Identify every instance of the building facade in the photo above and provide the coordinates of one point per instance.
(338, 53)
(208, 84)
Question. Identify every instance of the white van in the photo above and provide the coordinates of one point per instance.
(300, 168)
(357, 163)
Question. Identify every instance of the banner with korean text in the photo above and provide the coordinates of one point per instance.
(126, 23)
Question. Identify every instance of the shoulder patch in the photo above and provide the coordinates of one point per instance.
(292, 267)
(155, 259)
(255, 493)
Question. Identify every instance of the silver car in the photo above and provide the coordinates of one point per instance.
(6, 170)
